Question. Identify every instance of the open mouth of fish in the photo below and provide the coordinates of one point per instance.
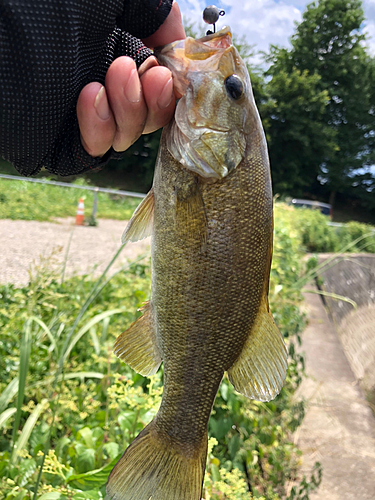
(185, 56)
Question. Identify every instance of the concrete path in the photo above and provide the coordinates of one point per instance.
(339, 428)
(27, 243)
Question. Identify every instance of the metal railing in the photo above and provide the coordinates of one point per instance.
(66, 184)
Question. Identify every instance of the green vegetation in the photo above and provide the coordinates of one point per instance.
(29, 201)
(318, 236)
(68, 407)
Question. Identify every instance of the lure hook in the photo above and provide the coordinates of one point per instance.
(211, 15)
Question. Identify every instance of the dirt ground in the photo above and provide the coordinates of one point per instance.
(23, 243)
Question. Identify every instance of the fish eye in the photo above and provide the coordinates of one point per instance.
(234, 86)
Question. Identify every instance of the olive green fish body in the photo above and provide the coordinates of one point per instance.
(210, 216)
(206, 295)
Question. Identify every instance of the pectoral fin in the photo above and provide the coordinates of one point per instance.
(142, 221)
(260, 370)
(138, 347)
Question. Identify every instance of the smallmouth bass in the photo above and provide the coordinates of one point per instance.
(210, 215)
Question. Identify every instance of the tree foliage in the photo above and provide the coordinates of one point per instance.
(329, 45)
(298, 140)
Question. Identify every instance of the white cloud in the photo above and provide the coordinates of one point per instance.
(370, 42)
(192, 10)
(369, 8)
(263, 21)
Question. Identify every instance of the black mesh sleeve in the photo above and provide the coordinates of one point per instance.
(143, 17)
(49, 52)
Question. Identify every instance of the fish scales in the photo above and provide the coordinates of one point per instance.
(212, 301)
(210, 216)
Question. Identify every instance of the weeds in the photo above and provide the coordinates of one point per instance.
(318, 236)
(69, 408)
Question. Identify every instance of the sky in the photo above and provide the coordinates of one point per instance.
(265, 22)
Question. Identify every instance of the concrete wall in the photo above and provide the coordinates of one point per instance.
(353, 276)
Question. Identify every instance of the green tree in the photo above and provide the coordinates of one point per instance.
(329, 43)
(298, 140)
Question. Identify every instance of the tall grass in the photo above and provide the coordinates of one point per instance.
(59, 350)
(25, 349)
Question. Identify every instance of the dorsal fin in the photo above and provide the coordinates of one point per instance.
(141, 224)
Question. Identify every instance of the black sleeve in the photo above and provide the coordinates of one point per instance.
(49, 50)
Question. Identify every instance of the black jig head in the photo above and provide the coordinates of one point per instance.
(211, 15)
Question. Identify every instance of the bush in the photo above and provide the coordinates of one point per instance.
(317, 236)
(356, 230)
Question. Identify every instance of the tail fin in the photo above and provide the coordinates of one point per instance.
(151, 468)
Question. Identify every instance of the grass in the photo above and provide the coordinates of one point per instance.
(55, 320)
(22, 200)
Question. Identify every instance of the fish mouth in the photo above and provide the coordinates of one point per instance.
(187, 55)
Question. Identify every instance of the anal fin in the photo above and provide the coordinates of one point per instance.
(142, 221)
(260, 370)
(138, 347)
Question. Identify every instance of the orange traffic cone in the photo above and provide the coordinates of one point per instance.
(80, 213)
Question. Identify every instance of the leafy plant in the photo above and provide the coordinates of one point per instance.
(317, 236)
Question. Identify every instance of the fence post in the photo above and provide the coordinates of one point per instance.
(95, 204)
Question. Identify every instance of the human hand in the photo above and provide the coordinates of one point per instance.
(132, 102)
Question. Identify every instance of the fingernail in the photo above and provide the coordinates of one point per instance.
(150, 62)
(166, 95)
(133, 87)
(101, 105)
